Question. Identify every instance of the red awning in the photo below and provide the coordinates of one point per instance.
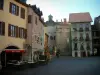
(14, 51)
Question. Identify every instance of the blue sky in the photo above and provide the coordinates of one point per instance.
(61, 8)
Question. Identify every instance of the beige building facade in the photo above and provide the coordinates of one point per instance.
(62, 38)
(35, 32)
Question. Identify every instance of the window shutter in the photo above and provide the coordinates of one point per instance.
(25, 33)
(9, 30)
(22, 13)
(3, 28)
(0, 28)
(17, 10)
(16, 31)
(10, 7)
(29, 18)
(19, 32)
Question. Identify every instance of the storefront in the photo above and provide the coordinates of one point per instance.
(9, 56)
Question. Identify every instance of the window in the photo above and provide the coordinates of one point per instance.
(36, 20)
(88, 46)
(81, 47)
(29, 18)
(81, 37)
(23, 13)
(87, 37)
(22, 33)
(2, 28)
(75, 46)
(81, 29)
(75, 39)
(14, 9)
(51, 37)
(74, 29)
(12, 30)
(54, 37)
(16, 31)
(1, 4)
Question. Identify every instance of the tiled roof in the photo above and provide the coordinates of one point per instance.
(80, 17)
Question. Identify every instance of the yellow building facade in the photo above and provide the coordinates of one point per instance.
(13, 31)
(9, 18)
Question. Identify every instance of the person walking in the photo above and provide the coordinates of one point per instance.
(58, 53)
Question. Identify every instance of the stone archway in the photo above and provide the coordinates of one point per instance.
(12, 47)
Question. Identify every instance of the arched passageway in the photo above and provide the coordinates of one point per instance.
(11, 54)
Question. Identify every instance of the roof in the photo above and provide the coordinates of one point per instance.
(22, 3)
(80, 17)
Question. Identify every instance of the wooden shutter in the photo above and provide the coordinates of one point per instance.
(0, 28)
(10, 7)
(17, 10)
(25, 33)
(14, 31)
(29, 18)
(9, 30)
(3, 28)
(17, 31)
(23, 13)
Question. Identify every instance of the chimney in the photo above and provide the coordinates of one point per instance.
(65, 21)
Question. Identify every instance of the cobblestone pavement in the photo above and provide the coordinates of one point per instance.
(61, 66)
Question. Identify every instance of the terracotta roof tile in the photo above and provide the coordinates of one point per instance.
(80, 17)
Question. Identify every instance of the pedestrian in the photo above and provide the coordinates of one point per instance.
(58, 53)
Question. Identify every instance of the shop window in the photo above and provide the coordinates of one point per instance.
(14, 9)
(22, 13)
(2, 28)
(1, 4)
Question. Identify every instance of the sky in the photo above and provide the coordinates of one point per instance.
(60, 9)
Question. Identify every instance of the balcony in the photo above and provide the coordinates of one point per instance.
(75, 39)
(75, 29)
